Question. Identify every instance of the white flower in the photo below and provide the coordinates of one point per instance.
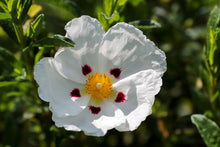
(109, 80)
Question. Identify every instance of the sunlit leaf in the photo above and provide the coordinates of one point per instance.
(35, 27)
(4, 6)
(5, 16)
(108, 7)
(7, 83)
(103, 21)
(208, 129)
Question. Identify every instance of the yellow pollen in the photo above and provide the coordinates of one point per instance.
(99, 87)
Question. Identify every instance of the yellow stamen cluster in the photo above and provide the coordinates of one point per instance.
(99, 87)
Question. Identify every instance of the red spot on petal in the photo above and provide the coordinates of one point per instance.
(75, 93)
(86, 69)
(120, 97)
(94, 110)
(115, 72)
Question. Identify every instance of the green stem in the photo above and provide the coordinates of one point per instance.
(21, 40)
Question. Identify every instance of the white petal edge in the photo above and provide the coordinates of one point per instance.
(55, 89)
(125, 47)
(93, 124)
(140, 90)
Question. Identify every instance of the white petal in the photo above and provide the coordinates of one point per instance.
(87, 34)
(140, 89)
(93, 124)
(56, 89)
(85, 31)
(134, 119)
(127, 48)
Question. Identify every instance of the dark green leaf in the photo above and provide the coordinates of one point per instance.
(55, 41)
(5, 16)
(25, 7)
(208, 129)
(145, 24)
(6, 60)
(9, 29)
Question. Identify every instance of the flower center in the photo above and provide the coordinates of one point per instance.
(99, 86)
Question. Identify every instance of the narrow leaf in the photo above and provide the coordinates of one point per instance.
(55, 41)
(26, 6)
(108, 6)
(214, 17)
(4, 6)
(7, 83)
(35, 27)
(208, 129)
(145, 24)
(5, 16)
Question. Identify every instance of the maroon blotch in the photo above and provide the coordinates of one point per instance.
(75, 93)
(94, 110)
(115, 72)
(120, 97)
(86, 69)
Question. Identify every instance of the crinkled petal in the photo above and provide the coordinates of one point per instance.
(140, 90)
(126, 47)
(56, 90)
(93, 124)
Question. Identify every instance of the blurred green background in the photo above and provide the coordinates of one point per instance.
(25, 120)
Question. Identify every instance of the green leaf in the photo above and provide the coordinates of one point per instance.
(108, 6)
(4, 6)
(7, 83)
(114, 18)
(103, 21)
(212, 34)
(9, 29)
(5, 16)
(145, 24)
(208, 129)
(55, 41)
(121, 2)
(35, 27)
(6, 59)
(214, 18)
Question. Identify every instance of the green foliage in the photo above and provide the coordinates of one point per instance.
(208, 129)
